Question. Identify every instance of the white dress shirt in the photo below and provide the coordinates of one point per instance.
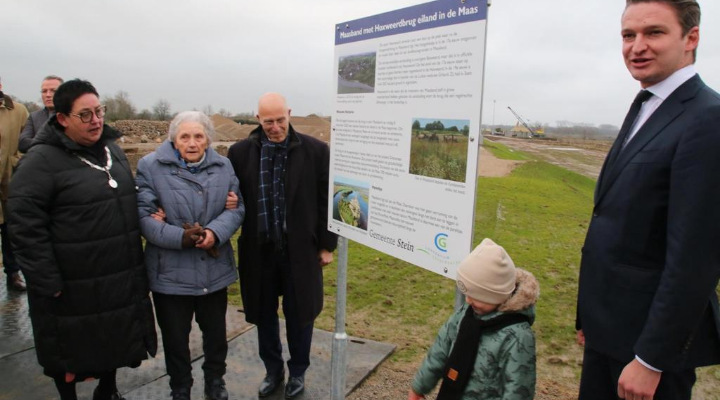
(660, 91)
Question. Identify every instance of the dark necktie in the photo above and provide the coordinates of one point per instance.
(627, 125)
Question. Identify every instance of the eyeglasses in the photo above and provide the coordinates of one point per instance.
(86, 116)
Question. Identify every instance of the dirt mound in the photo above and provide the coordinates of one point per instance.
(141, 131)
(227, 130)
(141, 136)
(313, 125)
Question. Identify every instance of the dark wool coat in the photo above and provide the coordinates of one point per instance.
(73, 233)
(306, 200)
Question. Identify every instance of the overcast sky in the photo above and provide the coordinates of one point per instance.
(551, 61)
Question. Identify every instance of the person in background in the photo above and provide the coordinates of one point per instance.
(189, 256)
(12, 119)
(38, 118)
(76, 236)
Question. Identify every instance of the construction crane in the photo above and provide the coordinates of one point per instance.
(533, 133)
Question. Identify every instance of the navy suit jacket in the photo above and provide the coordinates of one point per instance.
(651, 259)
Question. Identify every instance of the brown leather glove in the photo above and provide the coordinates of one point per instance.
(191, 235)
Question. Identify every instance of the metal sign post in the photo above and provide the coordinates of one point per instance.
(340, 339)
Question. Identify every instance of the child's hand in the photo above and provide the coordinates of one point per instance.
(414, 396)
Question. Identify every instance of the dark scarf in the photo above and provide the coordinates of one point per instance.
(271, 202)
(460, 364)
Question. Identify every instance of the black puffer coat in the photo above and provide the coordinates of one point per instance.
(73, 233)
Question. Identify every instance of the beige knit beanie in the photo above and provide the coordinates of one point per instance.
(487, 274)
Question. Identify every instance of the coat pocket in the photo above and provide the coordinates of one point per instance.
(636, 278)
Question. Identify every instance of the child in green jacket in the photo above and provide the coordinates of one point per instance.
(486, 350)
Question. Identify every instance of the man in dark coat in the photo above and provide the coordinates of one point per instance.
(647, 309)
(284, 241)
(75, 232)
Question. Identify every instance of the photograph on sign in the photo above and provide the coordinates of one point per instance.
(356, 73)
(406, 131)
(439, 148)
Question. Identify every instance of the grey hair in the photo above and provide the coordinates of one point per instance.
(53, 77)
(192, 116)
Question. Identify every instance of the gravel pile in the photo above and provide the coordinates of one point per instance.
(141, 131)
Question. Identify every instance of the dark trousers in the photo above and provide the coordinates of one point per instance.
(174, 315)
(277, 281)
(106, 387)
(600, 376)
(8, 258)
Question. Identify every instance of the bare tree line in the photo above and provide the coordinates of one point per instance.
(120, 107)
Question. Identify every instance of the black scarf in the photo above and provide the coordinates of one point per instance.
(271, 202)
(460, 364)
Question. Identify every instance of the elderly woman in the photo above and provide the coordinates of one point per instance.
(188, 255)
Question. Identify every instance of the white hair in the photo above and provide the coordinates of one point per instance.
(192, 116)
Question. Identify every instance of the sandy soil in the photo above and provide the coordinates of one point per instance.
(491, 166)
(584, 157)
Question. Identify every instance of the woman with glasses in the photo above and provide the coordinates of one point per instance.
(76, 236)
(188, 254)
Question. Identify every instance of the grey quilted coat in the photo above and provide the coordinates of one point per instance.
(187, 198)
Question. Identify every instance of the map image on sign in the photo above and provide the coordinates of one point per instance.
(350, 202)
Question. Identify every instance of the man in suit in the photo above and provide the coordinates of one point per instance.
(38, 118)
(647, 309)
(284, 241)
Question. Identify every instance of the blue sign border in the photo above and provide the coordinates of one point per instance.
(409, 20)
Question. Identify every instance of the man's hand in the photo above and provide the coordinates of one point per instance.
(638, 382)
(414, 396)
(325, 257)
(207, 240)
(231, 202)
(581, 337)
(159, 216)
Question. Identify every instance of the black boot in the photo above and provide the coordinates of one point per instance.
(215, 389)
(99, 395)
(181, 394)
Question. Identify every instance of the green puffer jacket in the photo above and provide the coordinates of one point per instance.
(505, 364)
